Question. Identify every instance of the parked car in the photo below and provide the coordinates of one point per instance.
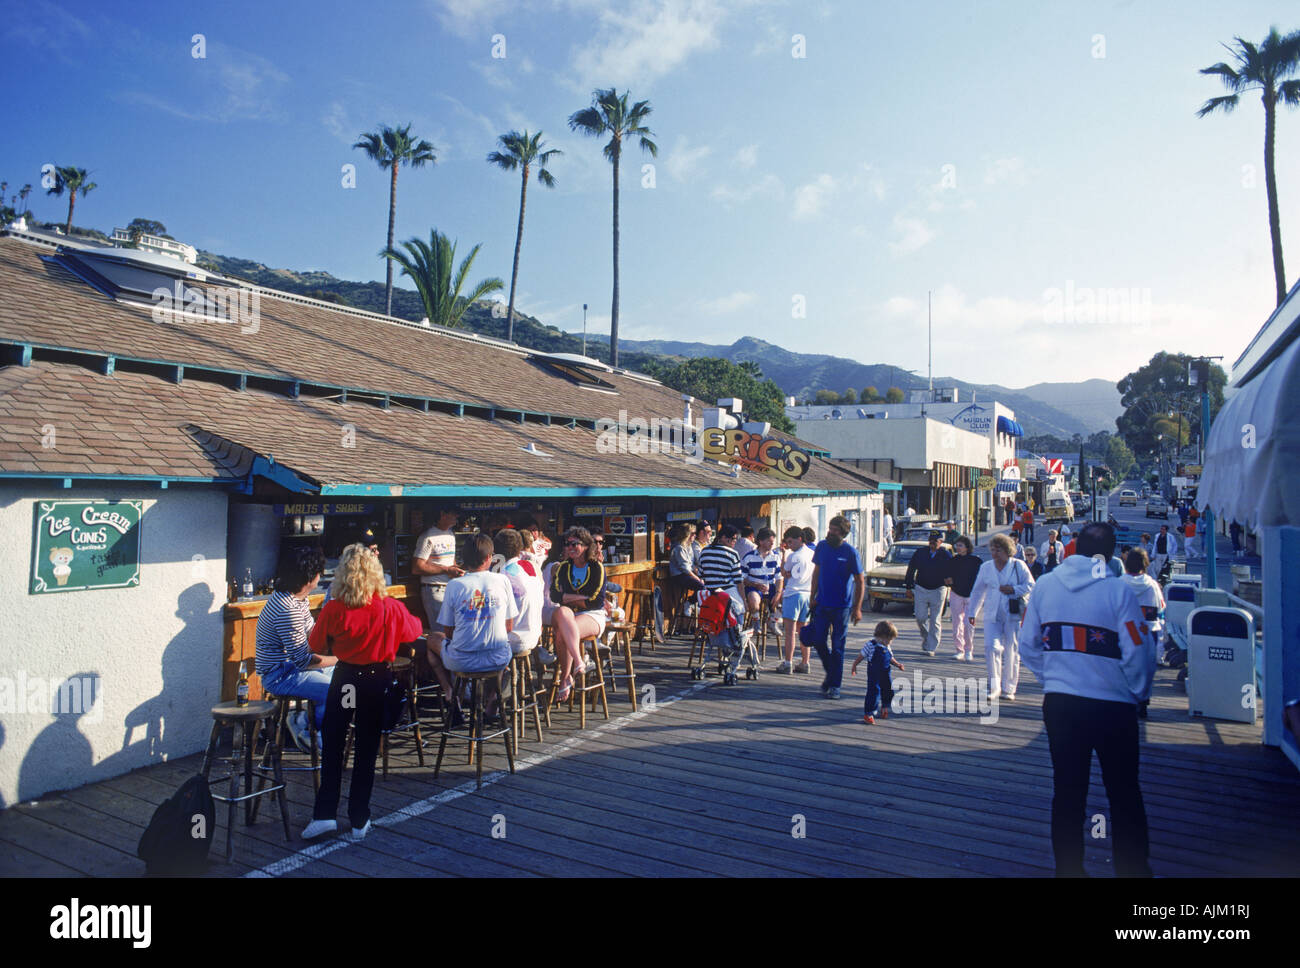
(885, 581)
(1157, 507)
(1128, 496)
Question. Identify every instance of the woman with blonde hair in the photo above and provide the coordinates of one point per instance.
(362, 628)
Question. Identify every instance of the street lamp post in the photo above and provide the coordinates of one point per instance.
(584, 329)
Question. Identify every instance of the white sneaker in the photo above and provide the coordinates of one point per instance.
(359, 833)
(802, 668)
(785, 667)
(297, 724)
(318, 827)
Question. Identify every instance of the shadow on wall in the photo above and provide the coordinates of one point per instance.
(60, 756)
(194, 605)
(171, 724)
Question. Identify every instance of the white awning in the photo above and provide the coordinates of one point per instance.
(1252, 461)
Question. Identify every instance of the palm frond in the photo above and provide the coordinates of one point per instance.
(589, 121)
(1289, 93)
(508, 162)
(1226, 103)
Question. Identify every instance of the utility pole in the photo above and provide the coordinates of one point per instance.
(1198, 371)
(584, 329)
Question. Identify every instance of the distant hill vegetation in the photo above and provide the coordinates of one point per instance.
(1059, 409)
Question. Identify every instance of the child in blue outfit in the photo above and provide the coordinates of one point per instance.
(879, 657)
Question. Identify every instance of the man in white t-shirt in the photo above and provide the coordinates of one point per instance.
(477, 616)
(888, 526)
(797, 571)
(528, 590)
(435, 562)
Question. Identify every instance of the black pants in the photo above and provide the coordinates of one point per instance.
(1029, 534)
(359, 690)
(1075, 727)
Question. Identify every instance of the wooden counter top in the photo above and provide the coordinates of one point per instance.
(252, 607)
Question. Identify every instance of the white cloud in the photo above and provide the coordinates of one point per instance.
(335, 121)
(728, 304)
(238, 86)
(810, 200)
(493, 73)
(1005, 170)
(683, 162)
(746, 157)
(769, 186)
(871, 180)
(913, 234)
(639, 43)
(466, 18)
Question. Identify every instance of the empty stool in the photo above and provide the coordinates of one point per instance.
(249, 716)
(618, 639)
(477, 681)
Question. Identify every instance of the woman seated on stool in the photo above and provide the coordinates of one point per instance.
(361, 628)
(577, 589)
(480, 609)
(284, 662)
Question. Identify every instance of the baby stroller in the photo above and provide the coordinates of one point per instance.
(719, 630)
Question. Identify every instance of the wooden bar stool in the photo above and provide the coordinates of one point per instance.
(582, 685)
(618, 638)
(249, 717)
(275, 738)
(477, 681)
(640, 613)
(526, 692)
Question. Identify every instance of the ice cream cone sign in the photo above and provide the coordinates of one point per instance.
(61, 557)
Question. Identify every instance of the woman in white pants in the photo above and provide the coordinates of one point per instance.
(1008, 581)
(963, 570)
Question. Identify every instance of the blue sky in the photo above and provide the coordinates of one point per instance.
(1005, 156)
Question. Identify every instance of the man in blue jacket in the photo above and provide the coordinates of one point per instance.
(1083, 637)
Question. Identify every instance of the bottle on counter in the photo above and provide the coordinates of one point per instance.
(241, 690)
(248, 587)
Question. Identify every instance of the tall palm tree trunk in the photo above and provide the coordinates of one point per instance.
(1270, 184)
(72, 203)
(392, 220)
(613, 312)
(514, 272)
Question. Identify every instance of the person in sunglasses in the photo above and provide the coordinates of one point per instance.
(577, 588)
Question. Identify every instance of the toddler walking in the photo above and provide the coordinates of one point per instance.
(879, 657)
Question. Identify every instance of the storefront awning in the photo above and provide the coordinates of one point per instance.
(1009, 427)
(1252, 460)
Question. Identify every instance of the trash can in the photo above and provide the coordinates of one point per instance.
(984, 519)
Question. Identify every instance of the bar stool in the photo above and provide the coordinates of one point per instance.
(476, 717)
(526, 692)
(248, 716)
(280, 725)
(640, 612)
(581, 686)
(618, 638)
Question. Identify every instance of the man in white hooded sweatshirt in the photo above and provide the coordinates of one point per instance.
(1003, 580)
(1086, 640)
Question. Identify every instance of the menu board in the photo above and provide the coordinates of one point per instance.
(78, 545)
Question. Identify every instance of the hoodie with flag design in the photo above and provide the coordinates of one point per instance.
(1086, 635)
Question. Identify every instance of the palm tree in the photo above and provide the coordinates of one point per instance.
(522, 150)
(72, 180)
(1265, 68)
(429, 266)
(23, 193)
(609, 114)
(390, 148)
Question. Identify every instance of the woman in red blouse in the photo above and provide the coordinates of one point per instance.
(362, 629)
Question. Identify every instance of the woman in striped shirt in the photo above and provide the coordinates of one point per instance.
(720, 568)
(284, 662)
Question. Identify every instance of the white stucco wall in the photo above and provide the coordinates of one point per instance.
(149, 656)
(803, 512)
(912, 442)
